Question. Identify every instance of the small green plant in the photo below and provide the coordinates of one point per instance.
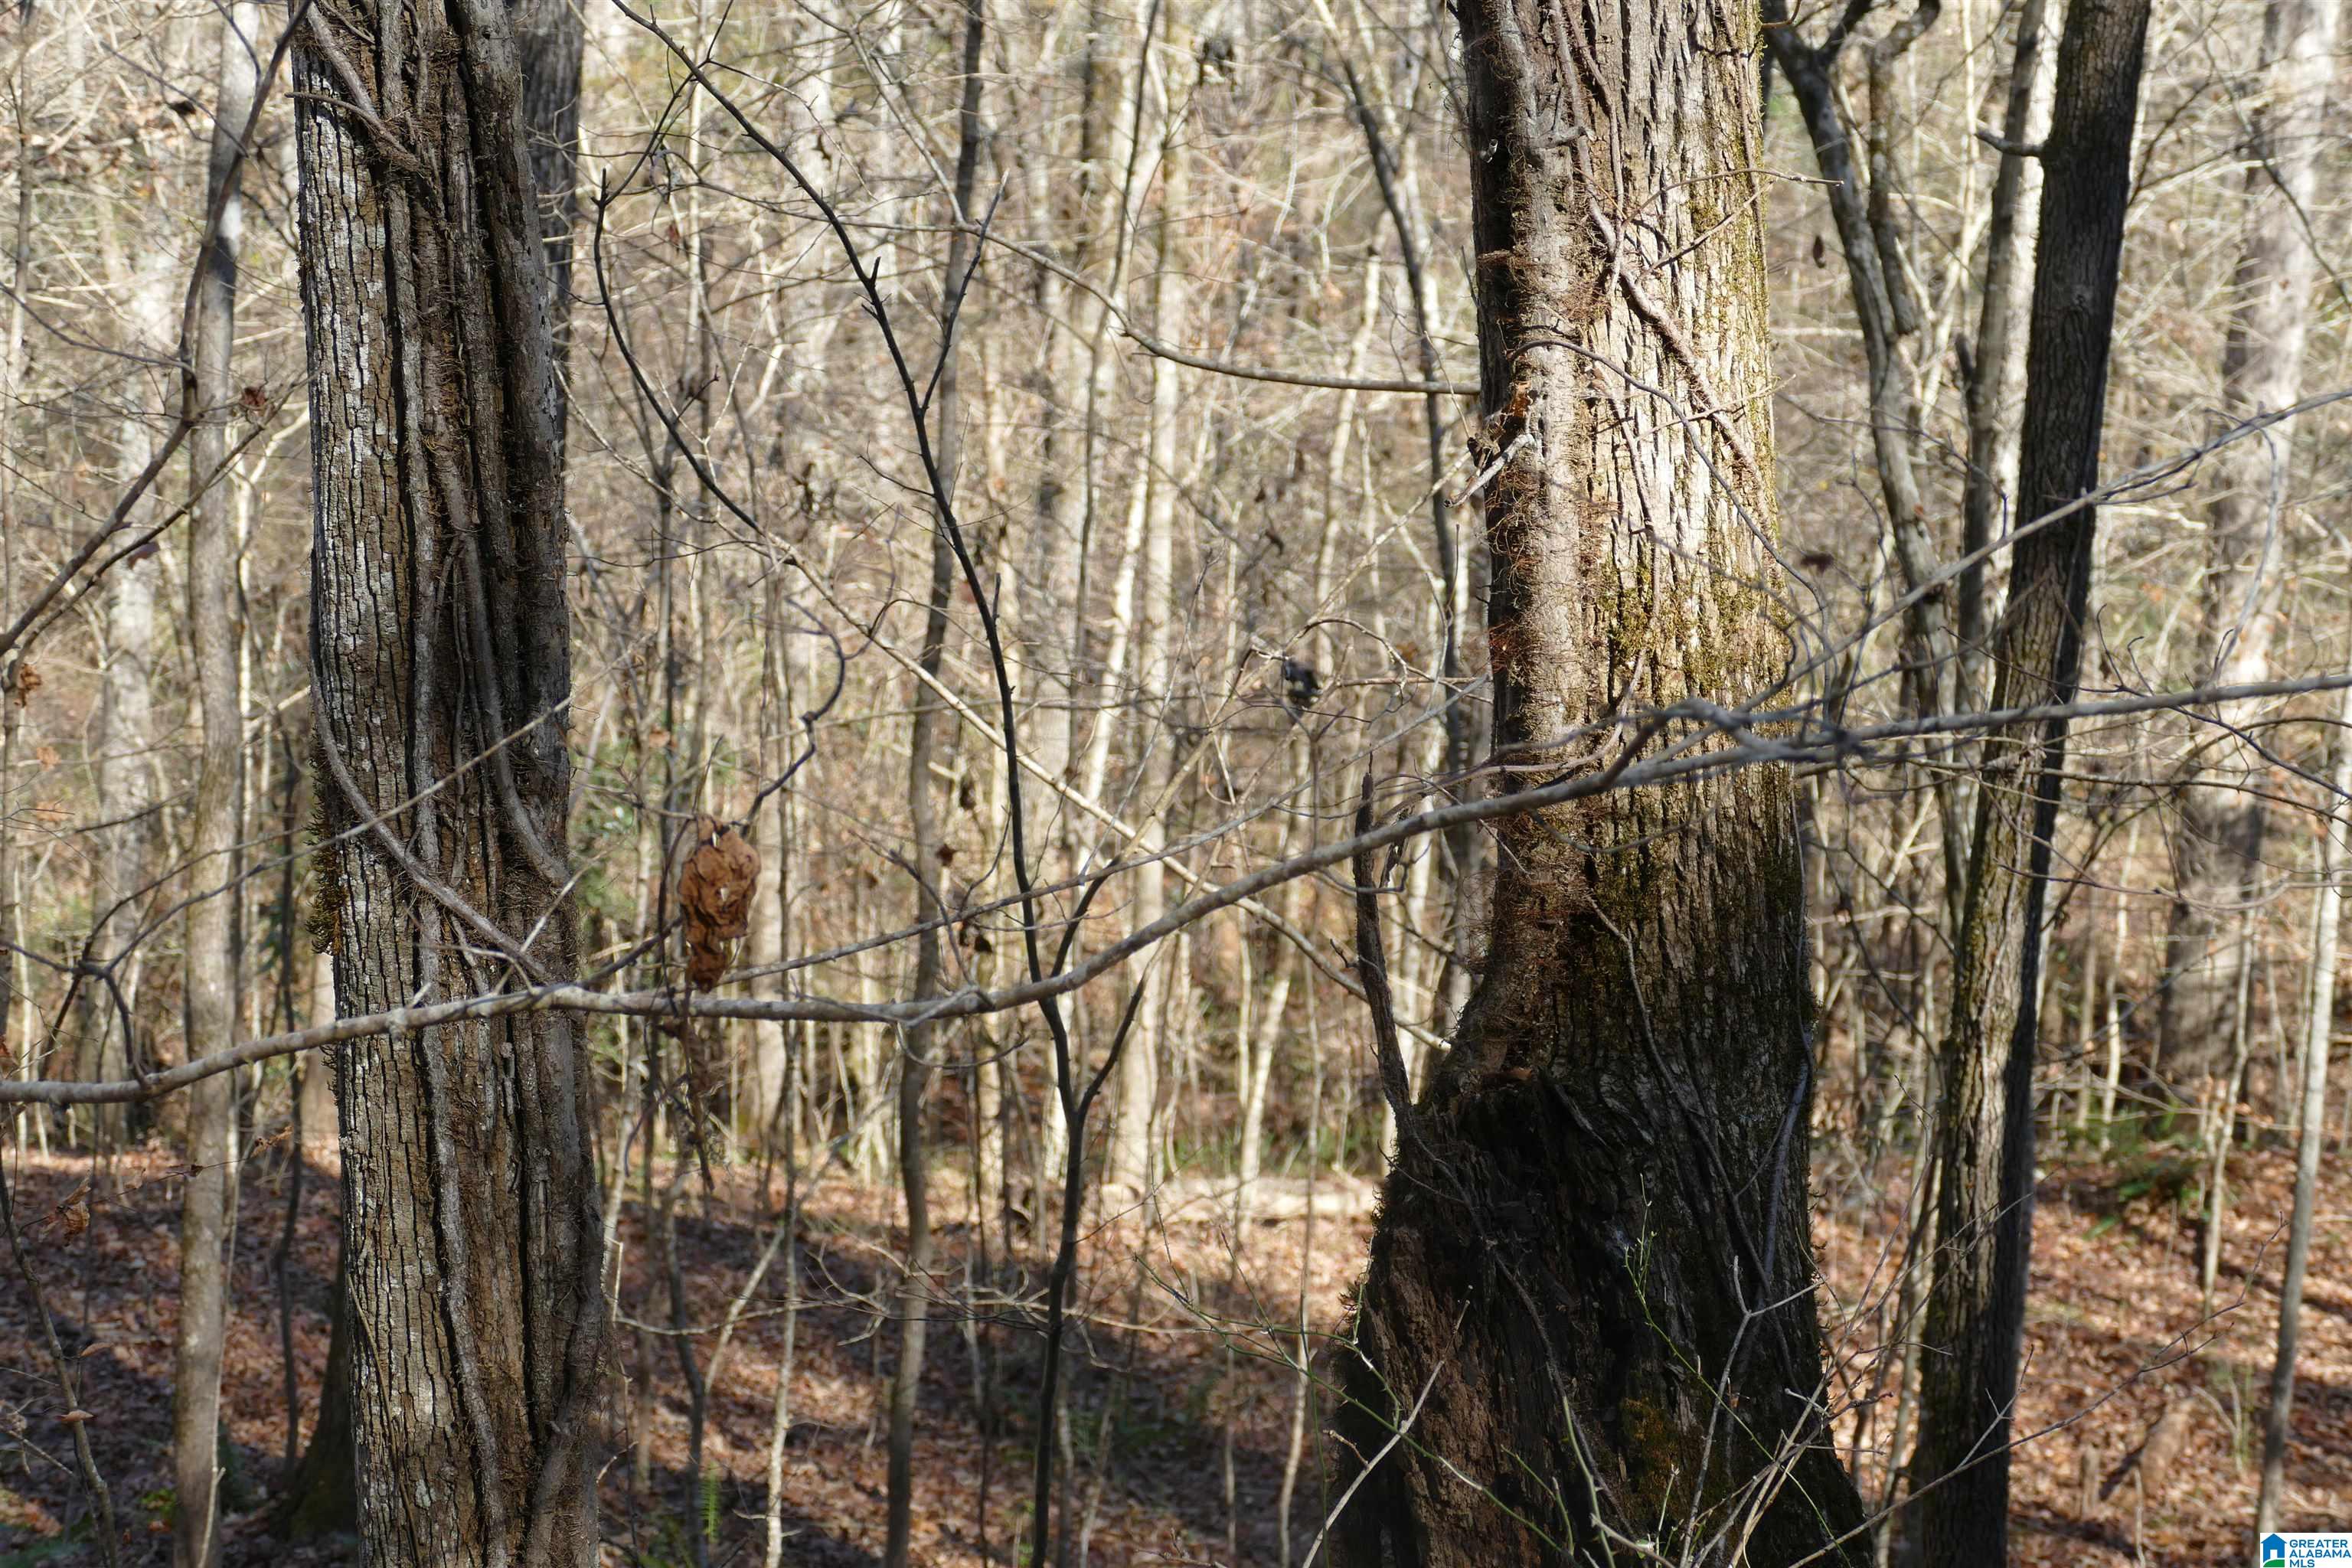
(2162, 1181)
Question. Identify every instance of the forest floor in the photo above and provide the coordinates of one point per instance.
(1184, 1357)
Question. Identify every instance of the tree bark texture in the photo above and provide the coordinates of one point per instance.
(441, 666)
(2219, 845)
(1590, 1296)
(1984, 1139)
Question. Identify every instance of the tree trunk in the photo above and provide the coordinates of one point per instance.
(1134, 1131)
(2218, 850)
(1888, 315)
(929, 861)
(1560, 1297)
(440, 634)
(2009, 228)
(208, 1200)
(125, 776)
(2311, 1140)
(1984, 1196)
(321, 1498)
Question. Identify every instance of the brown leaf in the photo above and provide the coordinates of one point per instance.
(46, 755)
(22, 682)
(715, 883)
(76, 1417)
(70, 1217)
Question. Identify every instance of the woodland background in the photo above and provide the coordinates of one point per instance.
(1226, 593)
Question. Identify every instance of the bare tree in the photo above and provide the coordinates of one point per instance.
(2217, 848)
(2311, 1138)
(1985, 1126)
(208, 1204)
(930, 866)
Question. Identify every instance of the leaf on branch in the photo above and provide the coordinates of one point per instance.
(70, 1217)
(714, 887)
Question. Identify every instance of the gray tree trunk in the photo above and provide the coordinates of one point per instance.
(440, 634)
(125, 775)
(2311, 1138)
(207, 1204)
(1607, 1175)
(2218, 850)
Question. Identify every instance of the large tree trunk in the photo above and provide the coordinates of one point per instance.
(1984, 1143)
(440, 628)
(1590, 1292)
(2217, 848)
(207, 1201)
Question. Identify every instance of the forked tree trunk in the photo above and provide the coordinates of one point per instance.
(1608, 1174)
(1984, 1193)
(441, 635)
(2218, 850)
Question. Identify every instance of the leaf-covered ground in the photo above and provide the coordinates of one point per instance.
(1185, 1355)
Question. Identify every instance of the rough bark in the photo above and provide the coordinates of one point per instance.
(471, 1219)
(1589, 1293)
(2218, 847)
(207, 1201)
(1984, 1195)
(552, 39)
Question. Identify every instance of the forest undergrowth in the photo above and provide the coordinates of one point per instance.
(1183, 1348)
